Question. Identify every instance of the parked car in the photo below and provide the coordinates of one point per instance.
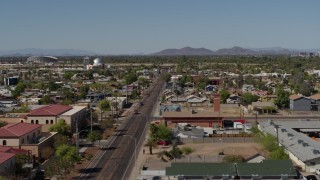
(163, 142)
(317, 171)
(311, 177)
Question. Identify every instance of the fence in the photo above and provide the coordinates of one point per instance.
(219, 139)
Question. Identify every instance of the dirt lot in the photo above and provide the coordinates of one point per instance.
(246, 150)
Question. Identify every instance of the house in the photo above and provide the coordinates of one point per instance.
(50, 114)
(95, 97)
(26, 136)
(211, 88)
(259, 93)
(263, 107)
(233, 99)
(196, 101)
(299, 103)
(165, 108)
(315, 102)
(247, 88)
(117, 103)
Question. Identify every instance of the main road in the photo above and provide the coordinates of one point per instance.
(116, 159)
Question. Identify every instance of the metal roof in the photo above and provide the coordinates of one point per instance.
(299, 144)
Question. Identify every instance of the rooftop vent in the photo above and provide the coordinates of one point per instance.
(305, 144)
(315, 151)
(283, 130)
(290, 135)
(300, 141)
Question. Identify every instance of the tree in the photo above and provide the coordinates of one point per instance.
(248, 98)
(104, 105)
(61, 127)
(282, 100)
(278, 154)
(130, 78)
(19, 89)
(59, 140)
(160, 132)
(67, 102)
(3, 123)
(94, 136)
(45, 100)
(151, 143)
(67, 152)
(68, 75)
(224, 95)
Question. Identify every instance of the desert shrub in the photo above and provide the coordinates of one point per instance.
(187, 150)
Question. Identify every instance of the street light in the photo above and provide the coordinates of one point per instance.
(77, 139)
(135, 146)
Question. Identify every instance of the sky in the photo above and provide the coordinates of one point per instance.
(148, 26)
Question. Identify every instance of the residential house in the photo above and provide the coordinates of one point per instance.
(233, 99)
(247, 88)
(165, 108)
(315, 102)
(263, 107)
(117, 103)
(299, 103)
(196, 101)
(95, 97)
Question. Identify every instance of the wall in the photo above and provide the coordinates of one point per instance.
(10, 142)
(7, 166)
(302, 104)
(42, 119)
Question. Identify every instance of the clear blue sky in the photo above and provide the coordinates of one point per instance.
(146, 26)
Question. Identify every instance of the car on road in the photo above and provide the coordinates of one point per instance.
(311, 177)
(317, 171)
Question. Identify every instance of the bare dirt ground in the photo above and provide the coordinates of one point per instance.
(212, 149)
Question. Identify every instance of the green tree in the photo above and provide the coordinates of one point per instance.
(67, 152)
(130, 78)
(160, 132)
(104, 106)
(67, 102)
(61, 127)
(248, 98)
(45, 100)
(151, 143)
(59, 140)
(68, 75)
(19, 89)
(278, 154)
(224, 95)
(3, 123)
(94, 136)
(282, 100)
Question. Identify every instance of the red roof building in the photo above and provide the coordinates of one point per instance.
(18, 134)
(50, 110)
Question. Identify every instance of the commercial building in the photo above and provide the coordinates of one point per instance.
(50, 114)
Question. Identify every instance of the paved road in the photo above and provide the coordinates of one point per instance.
(116, 159)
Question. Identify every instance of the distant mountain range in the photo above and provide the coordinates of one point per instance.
(188, 51)
(231, 51)
(47, 52)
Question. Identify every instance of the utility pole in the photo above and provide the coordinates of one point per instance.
(77, 142)
(91, 116)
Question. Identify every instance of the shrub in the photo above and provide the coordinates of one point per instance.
(187, 150)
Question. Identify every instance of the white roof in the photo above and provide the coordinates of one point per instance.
(74, 110)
